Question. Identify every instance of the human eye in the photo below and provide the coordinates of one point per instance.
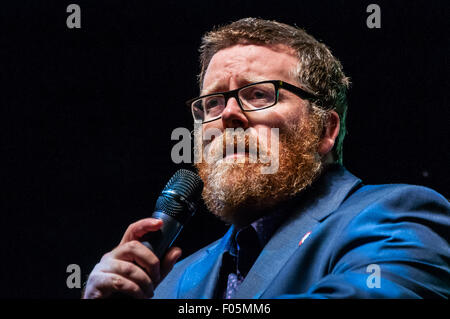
(212, 102)
(259, 95)
(214, 105)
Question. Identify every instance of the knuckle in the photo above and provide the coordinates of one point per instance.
(93, 294)
(106, 257)
(136, 290)
(131, 226)
(94, 278)
(117, 283)
(127, 269)
(133, 245)
(101, 266)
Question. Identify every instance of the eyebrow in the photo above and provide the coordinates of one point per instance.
(219, 86)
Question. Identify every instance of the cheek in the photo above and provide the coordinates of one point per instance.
(208, 133)
(294, 114)
(282, 116)
(211, 130)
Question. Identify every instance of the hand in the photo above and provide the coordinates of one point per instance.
(131, 268)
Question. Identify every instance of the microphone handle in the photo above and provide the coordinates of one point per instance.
(160, 241)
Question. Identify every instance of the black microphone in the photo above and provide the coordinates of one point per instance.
(174, 206)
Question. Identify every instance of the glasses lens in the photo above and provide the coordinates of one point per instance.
(208, 108)
(258, 96)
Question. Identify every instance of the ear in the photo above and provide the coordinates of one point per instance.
(330, 133)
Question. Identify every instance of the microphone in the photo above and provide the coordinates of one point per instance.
(174, 206)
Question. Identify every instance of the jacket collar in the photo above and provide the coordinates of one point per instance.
(326, 194)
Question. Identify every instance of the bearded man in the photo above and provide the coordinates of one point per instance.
(309, 228)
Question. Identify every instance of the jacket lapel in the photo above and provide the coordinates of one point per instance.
(313, 206)
(274, 255)
(200, 279)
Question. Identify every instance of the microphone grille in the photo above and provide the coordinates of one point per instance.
(184, 184)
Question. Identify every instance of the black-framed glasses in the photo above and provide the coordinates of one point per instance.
(252, 97)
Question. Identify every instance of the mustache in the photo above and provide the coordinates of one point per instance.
(235, 142)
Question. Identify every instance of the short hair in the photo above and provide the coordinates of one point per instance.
(318, 70)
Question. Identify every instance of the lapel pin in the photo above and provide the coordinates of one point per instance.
(304, 238)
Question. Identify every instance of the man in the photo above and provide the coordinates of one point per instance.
(309, 230)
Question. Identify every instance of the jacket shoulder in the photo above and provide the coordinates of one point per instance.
(397, 194)
(403, 229)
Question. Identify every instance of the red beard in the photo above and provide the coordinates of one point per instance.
(239, 193)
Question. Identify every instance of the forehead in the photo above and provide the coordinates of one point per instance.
(243, 64)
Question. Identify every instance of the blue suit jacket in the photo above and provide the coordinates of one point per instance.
(402, 229)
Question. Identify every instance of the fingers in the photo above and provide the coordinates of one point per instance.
(138, 229)
(169, 260)
(103, 285)
(131, 272)
(134, 251)
(131, 268)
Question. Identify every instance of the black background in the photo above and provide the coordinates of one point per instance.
(87, 115)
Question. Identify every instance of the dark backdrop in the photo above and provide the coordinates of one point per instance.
(87, 114)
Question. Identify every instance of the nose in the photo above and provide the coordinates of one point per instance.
(233, 116)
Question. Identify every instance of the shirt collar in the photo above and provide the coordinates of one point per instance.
(264, 227)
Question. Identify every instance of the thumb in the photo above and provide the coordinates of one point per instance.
(169, 260)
